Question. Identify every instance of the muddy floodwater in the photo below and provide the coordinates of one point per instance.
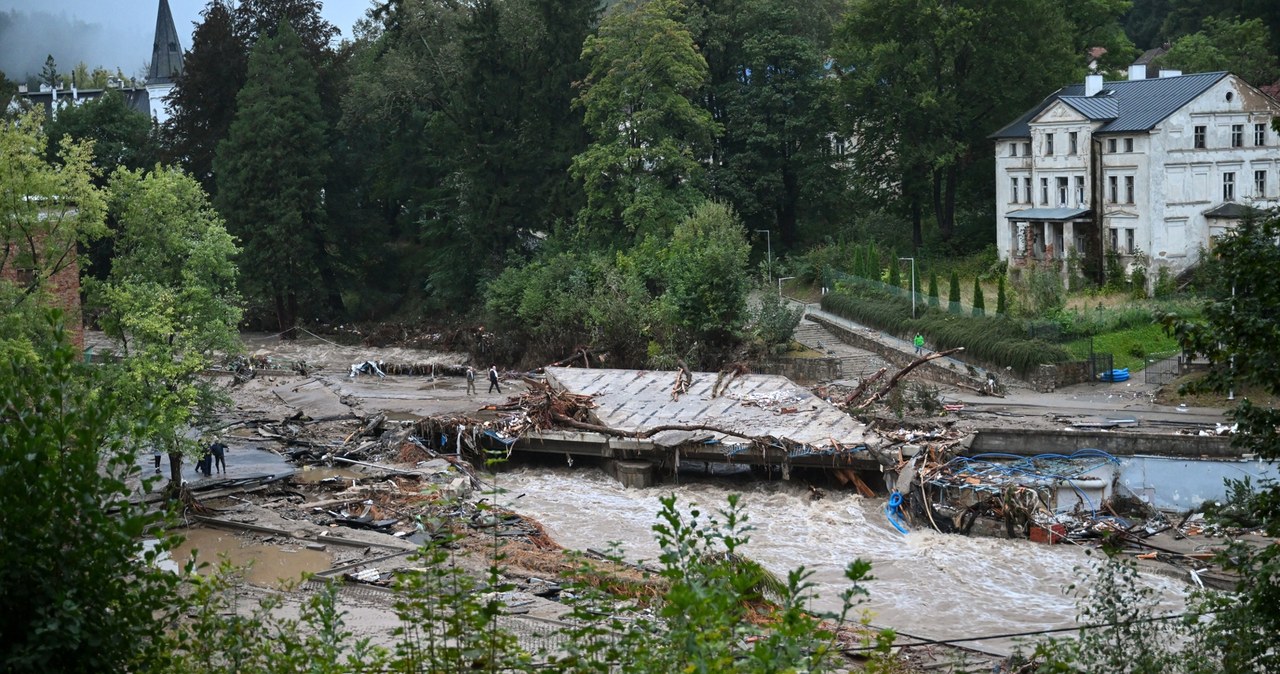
(926, 584)
(268, 565)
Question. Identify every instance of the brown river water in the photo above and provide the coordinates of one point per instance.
(927, 584)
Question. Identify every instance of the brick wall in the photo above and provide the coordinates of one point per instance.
(64, 287)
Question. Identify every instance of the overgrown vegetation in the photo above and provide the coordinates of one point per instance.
(994, 341)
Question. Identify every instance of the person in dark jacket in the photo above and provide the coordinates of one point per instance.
(493, 379)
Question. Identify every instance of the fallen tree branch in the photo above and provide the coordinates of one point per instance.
(862, 388)
(893, 381)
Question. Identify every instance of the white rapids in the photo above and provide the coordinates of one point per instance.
(932, 585)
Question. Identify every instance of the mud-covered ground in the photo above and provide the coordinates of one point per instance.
(363, 521)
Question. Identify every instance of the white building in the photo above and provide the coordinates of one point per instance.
(1145, 167)
(151, 99)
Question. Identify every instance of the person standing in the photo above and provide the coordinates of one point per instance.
(471, 380)
(493, 379)
(919, 342)
(155, 455)
(219, 452)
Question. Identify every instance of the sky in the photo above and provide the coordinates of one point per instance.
(109, 33)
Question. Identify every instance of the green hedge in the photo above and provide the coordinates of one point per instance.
(992, 341)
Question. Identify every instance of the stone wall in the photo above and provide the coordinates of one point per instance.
(64, 288)
(1049, 377)
(938, 370)
(802, 370)
(1026, 442)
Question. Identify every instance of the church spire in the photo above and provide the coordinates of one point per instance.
(166, 53)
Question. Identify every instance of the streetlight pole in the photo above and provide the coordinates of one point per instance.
(768, 242)
(913, 283)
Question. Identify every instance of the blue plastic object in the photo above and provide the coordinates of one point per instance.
(1121, 374)
(893, 513)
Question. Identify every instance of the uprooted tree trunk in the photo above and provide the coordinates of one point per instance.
(893, 381)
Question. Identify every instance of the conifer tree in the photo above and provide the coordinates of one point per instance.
(979, 305)
(953, 297)
(1002, 306)
(895, 276)
(933, 287)
(271, 171)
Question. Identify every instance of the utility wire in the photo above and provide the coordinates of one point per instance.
(943, 642)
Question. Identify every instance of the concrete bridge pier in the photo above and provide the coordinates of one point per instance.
(633, 474)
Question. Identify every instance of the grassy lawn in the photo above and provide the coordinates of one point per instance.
(1129, 347)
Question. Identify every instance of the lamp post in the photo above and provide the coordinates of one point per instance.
(913, 283)
(768, 242)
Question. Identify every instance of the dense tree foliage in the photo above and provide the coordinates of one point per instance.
(121, 135)
(204, 97)
(270, 173)
(1238, 336)
(917, 75)
(170, 302)
(46, 212)
(78, 593)
(1241, 47)
(770, 92)
(643, 170)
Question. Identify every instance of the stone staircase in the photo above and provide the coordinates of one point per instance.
(855, 363)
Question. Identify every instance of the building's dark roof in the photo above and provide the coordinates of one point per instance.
(1139, 104)
(1053, 214)
(166, 51)
(1231, 210)
(1151, 55)
(136, 98)
(1094, 107)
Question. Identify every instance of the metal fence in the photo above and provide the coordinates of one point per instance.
(1163, 368)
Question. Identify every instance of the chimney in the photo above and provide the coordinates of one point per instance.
(1138, 71)
(22, 88)
(1166, 72)
(1092, 85)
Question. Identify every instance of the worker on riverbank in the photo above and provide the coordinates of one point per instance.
(471, 380)
(919, 342)
(219, 452)
(493, 379)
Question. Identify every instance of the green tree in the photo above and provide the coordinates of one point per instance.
(1238, 334)
(49, 75)
(271, 171)
(953, 295)
(92, 599)
(933, 287)
(642, 172)
(1241, 47)
(121, 135)
(204, 96)
(915, 80)
(46, 212)
(979, 304)
(768, 91)
(706, 277)
(170, 301)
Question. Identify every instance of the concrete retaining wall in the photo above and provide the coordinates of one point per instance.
(802, 370)
(1027, 442)
(938, 370)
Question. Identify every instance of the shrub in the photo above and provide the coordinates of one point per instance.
(1165, 284)
(895, 275)
(1002, 302)
(979, 304)
(933, 288)
(953, 297)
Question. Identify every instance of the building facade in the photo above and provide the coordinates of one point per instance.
(150, 99)
(1150, 168)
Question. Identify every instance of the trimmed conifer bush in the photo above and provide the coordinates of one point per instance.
(933, 288)
(979, 304)
(1002, 302)
(953, 298)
